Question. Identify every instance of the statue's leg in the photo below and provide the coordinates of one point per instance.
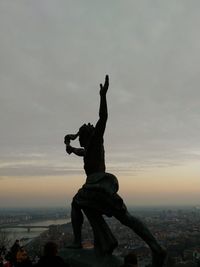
(158, 254)
(77, 221)
(104, 240)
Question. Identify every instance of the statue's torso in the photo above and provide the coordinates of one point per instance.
(94, 159)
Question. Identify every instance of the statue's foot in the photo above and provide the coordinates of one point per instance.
(158, 258)
(75, 245)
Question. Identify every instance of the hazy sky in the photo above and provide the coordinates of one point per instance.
(54, 54)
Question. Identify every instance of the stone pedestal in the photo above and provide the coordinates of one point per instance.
(88, 258)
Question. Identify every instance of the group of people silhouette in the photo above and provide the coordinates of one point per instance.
(17, 256)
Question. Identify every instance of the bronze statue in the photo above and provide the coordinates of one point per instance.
(98, 196)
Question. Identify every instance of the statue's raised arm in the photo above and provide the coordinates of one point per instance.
(103, 110)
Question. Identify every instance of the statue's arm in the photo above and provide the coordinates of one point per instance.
(77, 151)
(70, 149)
(103, 111)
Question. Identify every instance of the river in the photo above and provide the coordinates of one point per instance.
(25, 236)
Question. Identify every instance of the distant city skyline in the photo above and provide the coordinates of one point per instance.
(54, 55)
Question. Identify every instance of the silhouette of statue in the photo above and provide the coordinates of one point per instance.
(98, 196)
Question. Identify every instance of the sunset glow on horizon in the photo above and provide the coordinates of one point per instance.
(161, 186)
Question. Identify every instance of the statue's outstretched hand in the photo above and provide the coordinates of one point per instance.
(69, 149)
(104, 88)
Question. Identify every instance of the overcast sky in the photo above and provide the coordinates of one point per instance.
(54, 55)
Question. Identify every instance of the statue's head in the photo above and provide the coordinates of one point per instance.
(85, 133)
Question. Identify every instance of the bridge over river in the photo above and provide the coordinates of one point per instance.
(28, 227)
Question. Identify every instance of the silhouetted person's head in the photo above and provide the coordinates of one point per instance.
(85, 133)
(130, 260)
(50, 249)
